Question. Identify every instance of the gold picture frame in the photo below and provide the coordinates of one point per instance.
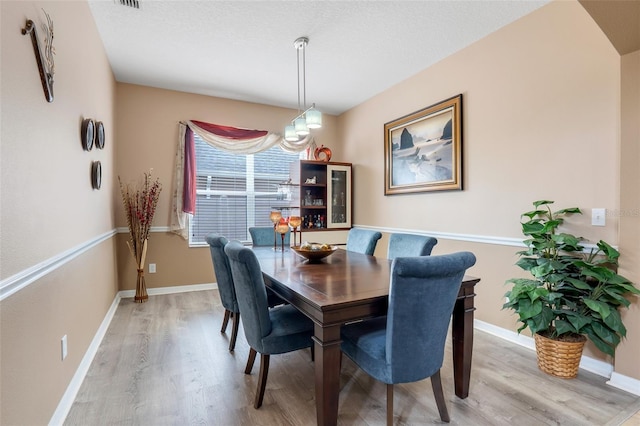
(423, 150)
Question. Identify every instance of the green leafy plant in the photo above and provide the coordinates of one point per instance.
(570, 292)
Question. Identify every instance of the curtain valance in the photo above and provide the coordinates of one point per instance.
(226, 138)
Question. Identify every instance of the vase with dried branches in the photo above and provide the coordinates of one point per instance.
(140, 203)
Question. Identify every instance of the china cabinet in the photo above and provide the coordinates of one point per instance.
(324, 194)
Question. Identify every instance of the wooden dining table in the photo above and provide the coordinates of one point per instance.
(349, 286)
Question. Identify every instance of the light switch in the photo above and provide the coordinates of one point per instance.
(598, 217)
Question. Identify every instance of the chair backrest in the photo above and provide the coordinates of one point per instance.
(409, 245)
(264, 236)
(422, 294)
(362, 240)
(222, 270)
(251, 293)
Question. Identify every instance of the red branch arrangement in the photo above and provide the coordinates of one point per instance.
(140, 207)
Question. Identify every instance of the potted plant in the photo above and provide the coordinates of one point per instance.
(571, 294)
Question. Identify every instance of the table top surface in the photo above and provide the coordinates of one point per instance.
(344, 278)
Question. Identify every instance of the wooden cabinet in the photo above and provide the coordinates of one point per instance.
(325, 194)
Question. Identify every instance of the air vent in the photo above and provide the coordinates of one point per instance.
(131, 3)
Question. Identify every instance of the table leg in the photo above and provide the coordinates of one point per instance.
(327, 364)
(462, 339)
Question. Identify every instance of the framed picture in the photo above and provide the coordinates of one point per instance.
(423, 150)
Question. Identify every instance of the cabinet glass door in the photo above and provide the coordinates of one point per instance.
(338, 196)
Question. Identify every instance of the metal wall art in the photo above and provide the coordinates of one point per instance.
(96, 175)
(46, 66)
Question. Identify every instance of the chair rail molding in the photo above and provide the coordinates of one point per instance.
(483, 239)
(22, 279)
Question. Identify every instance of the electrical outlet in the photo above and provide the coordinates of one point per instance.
(598, 217)
(152, 268)
(63, 346)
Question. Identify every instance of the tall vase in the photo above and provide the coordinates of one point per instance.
(141, 287)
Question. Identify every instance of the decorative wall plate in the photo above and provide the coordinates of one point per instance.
(99, 135)
(96, 175)
(86, 133)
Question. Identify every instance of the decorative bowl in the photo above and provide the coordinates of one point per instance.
(314, 253)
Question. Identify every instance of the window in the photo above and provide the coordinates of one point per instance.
(235, 192)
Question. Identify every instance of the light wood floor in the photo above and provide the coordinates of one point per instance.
(165, 362)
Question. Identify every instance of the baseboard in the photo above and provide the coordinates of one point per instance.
(625, 383)
(595, 366)
(74, 386)
(70, 394)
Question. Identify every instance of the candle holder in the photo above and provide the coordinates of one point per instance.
(275, 217)
(282, 228)
(294, 222)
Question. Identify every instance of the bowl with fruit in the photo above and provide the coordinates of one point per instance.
(314, 252)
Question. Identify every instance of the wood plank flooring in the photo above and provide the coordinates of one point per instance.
(165, 362)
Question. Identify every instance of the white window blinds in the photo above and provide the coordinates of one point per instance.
(235, 192)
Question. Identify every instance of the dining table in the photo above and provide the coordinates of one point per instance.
(350, 286)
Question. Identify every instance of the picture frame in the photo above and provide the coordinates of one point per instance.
(423, 150)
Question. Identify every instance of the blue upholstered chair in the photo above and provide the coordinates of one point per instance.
(268, 331)
(407, 345)
(264, 236)
(362, 240)
(409, 245)
(225, 285)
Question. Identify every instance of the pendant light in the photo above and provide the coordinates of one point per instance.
(308, 118)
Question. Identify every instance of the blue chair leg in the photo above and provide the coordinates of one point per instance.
(234, 331)
(225, 320)
(389, 404)
(436, 385)
(262, 380)
(250, 361)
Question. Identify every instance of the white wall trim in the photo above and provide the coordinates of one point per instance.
(22, 279)
(625, 383)
(125, 230)
(598, 367)
(70, 394)
(74, 386)
(483, 239)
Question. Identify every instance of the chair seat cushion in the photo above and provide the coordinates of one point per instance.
(290, 330)
(365, 343)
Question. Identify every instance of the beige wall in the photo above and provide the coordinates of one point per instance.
(48, 207)
(629, 213)
(147, 136)
(543, 117)
(541, 120)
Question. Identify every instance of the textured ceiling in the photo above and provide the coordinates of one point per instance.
(244, 50)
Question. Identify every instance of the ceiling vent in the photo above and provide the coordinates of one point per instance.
(131, 3)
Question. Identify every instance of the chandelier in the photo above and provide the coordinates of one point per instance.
(307, 118)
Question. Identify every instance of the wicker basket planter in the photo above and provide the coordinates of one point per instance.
(559, 358)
